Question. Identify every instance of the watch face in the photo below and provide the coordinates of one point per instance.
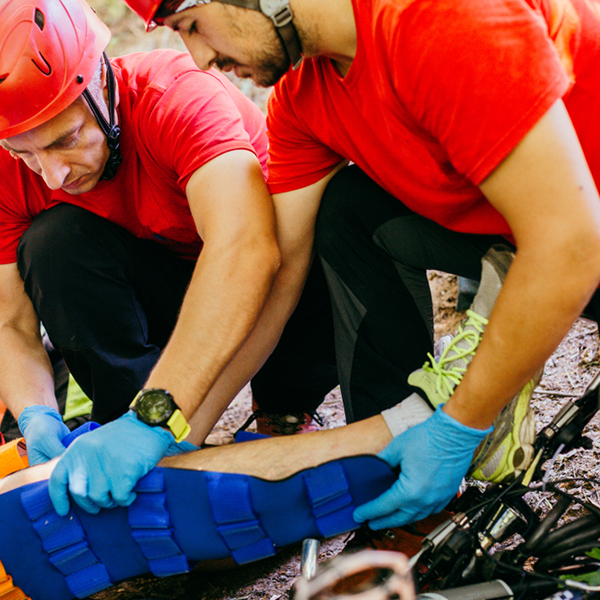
(155, 406)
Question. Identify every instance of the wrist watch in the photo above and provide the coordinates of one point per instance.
(156, 407)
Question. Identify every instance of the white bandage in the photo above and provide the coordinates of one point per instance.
(411, 411)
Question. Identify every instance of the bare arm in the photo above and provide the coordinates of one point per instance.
(233, 276)
(25, 372)
(295, 213)
(546, 193)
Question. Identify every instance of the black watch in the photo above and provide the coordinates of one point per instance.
(156, 407)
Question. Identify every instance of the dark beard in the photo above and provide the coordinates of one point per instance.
(270, 68)
(271, 72)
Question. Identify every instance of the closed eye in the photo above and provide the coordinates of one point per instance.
(67, 143)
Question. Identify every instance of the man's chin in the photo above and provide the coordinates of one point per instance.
(86, 185)
(267, 79)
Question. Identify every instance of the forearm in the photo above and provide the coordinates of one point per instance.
(545, 291)
(251, 356)
(225, 297)
(26, 376)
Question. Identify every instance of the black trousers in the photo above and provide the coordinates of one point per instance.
(109, 302)
(375, 253)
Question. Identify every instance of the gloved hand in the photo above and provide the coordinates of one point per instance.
(434, 457)
(43, 429)
(101, 468)
(181, 448)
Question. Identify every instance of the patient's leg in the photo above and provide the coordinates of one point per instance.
(243, 502)
(269, 458)
(279, 457)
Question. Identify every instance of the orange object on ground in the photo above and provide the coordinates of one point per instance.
(407, 539)
(13, 457)
(8, 591)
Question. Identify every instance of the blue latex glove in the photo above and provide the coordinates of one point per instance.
(181, 448)
(101, 468)
(43, 429)
(434, 457)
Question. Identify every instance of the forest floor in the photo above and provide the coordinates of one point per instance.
(566, 376)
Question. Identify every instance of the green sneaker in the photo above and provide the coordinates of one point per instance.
(508, 450)
(438, 377)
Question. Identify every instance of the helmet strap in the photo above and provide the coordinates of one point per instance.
(281, 15)
(111, 130)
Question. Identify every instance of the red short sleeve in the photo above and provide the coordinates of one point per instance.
(296, 157)
(476, 74)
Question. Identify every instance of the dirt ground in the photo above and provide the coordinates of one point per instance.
(566, 375)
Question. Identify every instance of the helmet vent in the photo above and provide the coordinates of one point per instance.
(39, 19)
(46, 69)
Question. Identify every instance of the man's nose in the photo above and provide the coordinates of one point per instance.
(203, 55)
(54, 170)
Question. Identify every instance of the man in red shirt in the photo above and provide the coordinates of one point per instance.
(467, 123)
(135, 222)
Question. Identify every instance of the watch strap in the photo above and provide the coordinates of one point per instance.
(176, 423)
(178, 426)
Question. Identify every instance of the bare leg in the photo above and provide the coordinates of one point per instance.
(279, 457)
(271, 458)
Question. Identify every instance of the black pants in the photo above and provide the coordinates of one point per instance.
(375, 253)
(109, 302)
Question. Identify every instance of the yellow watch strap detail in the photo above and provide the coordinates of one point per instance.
(134, 401)
(8, 591)
(179, 426)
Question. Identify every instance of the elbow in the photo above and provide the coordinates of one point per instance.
(268, 261)
(585, 249)
(274, 262)
(581, 263)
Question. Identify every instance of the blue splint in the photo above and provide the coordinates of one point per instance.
(179, 518)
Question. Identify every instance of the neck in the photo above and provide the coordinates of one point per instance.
(327, 29)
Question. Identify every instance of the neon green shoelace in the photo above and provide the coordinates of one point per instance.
(448, 378)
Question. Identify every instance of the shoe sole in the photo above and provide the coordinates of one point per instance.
(516, 447)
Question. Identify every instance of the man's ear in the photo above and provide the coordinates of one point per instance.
(15, 156)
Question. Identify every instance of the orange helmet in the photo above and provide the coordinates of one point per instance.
(146, 9)
(49, 51)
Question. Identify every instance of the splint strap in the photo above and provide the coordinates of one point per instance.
(236, 522)
(330, 499)
(152, 529)
(65, 542)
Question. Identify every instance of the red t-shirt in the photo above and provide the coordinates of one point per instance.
(174, 118)
(440, 91)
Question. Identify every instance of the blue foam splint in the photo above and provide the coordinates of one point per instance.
(179, 518)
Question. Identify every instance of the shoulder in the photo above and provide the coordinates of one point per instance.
(21, 189)
(170, 79)
(157, 69)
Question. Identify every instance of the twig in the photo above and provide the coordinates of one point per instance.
(568, 377)
(539, 390)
